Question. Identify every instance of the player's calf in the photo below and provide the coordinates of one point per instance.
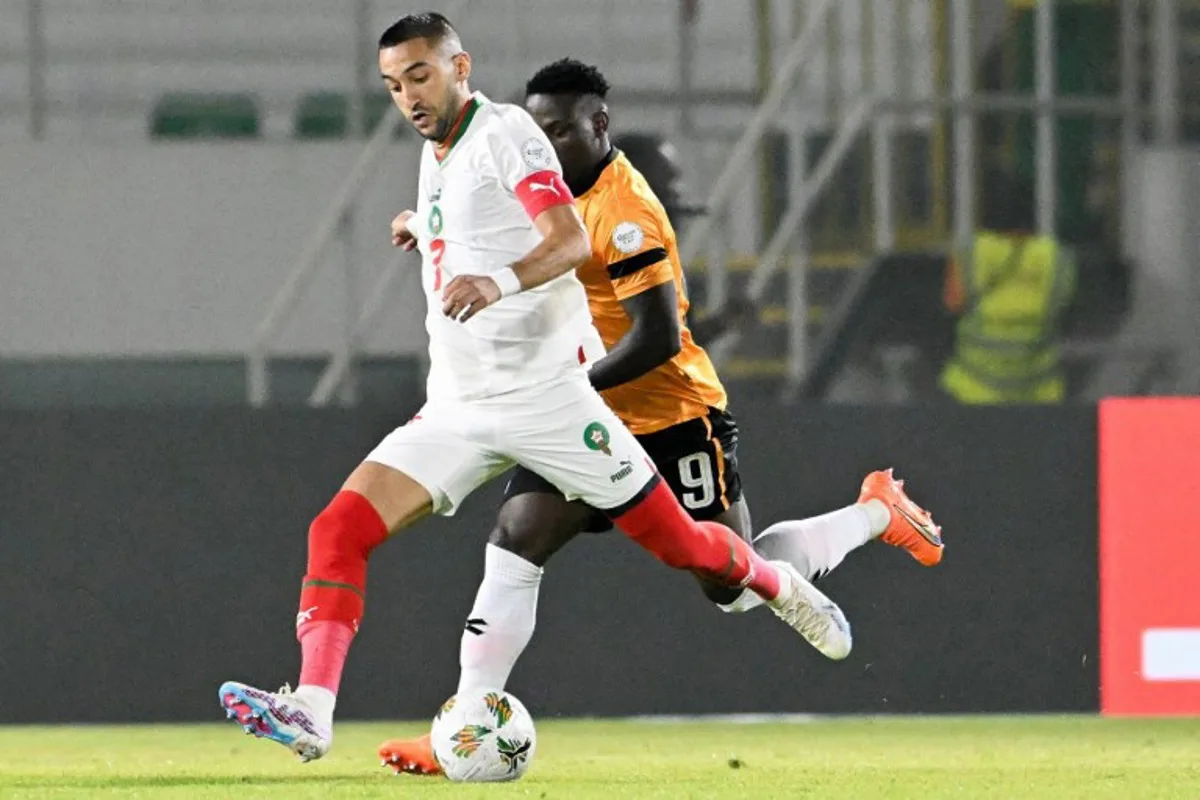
(660, 524)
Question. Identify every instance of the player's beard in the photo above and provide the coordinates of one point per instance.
(446, 115)
(442, 130)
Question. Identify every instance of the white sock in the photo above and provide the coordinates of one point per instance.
(501, 622)
(320, 700)
(816, 545)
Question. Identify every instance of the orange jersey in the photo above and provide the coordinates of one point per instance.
(634, 249)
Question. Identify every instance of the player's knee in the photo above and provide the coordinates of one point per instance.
(347, 527)
(520, 540)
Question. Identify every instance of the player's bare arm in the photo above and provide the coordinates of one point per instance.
(563, 248)
(654, 338)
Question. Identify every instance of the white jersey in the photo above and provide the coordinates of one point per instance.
(474, 217)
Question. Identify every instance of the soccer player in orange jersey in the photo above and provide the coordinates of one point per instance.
(662, 385)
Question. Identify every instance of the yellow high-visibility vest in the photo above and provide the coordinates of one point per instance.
(1006, 349)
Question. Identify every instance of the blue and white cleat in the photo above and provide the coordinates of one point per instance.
(279, 716)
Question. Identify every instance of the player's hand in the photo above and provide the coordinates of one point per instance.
(467, 295)
(401, 235)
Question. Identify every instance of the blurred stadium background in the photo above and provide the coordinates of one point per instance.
(839, 149)
(202, 327)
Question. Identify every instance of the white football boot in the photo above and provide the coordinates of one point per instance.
(279, 716)
(813, 615)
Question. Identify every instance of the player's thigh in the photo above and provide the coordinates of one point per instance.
(399, 499)
(536, 520)
(573, 440)
(426, 466)
(698, 460)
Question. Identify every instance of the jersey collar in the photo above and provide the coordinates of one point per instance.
(442, 149)
(579, 188)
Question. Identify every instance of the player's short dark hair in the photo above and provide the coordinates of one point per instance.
(428, 25)
(567, 76)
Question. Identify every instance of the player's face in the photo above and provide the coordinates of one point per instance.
(576, 134)
(427, 83)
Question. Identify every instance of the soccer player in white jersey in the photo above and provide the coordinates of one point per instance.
(510, 340)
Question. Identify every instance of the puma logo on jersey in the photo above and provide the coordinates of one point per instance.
(543, 187)
(305, 615)
(624, 472)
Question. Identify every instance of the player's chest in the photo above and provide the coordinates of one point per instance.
(463, 197)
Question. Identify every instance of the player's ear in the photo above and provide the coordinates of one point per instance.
(600, 122)
(462, 66)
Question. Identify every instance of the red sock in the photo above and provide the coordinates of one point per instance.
(323, 648)
(659, 524)
(333, 595)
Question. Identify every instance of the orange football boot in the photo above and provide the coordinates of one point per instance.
(911, 527)
(414, 756)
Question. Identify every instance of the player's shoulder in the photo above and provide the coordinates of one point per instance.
(508, 130)
(509, 118)
(627, 196)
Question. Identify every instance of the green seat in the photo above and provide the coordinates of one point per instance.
(195, 115)
(326, 114)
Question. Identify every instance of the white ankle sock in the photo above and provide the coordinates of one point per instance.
(320, 700)
(501, 622)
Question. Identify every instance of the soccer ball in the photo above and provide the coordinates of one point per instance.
(483, 735)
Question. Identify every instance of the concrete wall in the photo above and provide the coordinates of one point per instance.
(177, 249)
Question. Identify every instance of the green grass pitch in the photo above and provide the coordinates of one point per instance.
(860, 758)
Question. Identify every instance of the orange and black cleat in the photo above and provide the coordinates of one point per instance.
(911, 527)
(413, 756)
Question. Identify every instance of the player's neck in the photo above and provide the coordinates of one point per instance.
(578, 184)
(442, 146)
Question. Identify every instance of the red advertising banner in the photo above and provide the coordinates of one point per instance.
(1150, 556)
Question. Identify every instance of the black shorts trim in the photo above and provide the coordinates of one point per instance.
(635, 501)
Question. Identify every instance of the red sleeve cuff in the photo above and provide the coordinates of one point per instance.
(543, 190)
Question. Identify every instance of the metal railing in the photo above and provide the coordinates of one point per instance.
(805, 192)
(708, 234)
(964, 104)
(803, 47)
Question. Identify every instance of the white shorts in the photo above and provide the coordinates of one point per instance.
(563, 431)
